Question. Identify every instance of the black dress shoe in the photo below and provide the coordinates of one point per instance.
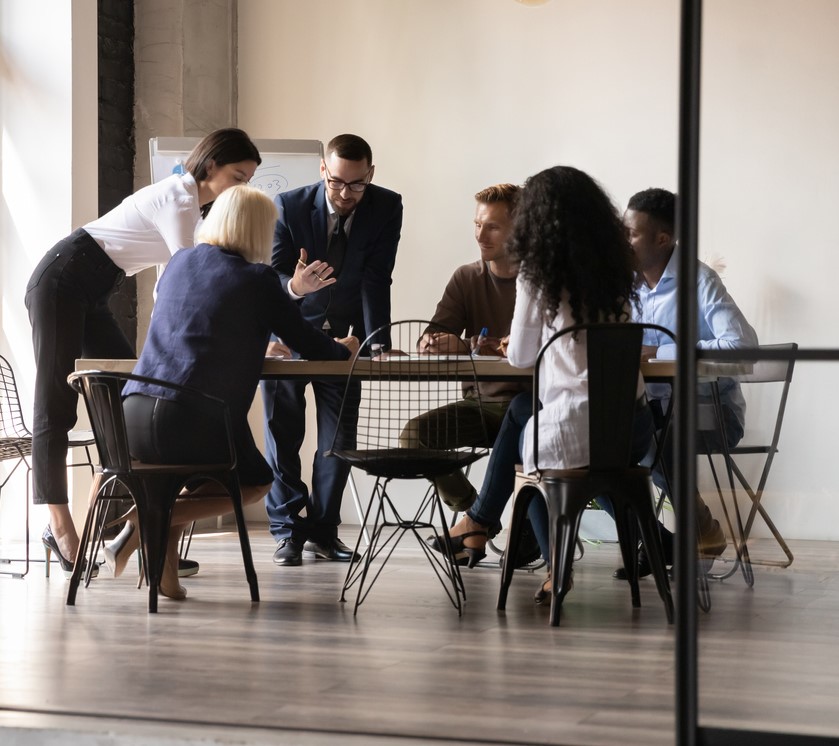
(289, 552)
(332, 549)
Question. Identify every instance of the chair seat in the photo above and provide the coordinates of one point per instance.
(141, 468)
(582, 473)
(80, 438)
(14, 447)
(406, 463)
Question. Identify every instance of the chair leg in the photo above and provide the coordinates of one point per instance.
(450, 569)
(352, 568)
(155, 500)
(627, 528)
(646, 520)
(564, 516)
(78, 566)
(244, 540)
(521, 502)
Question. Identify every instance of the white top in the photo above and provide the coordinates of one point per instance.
(147, 227)
(563, 382)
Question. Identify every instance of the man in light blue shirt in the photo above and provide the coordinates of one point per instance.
(650, 223)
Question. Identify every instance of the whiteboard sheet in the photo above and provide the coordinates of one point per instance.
(286, 164)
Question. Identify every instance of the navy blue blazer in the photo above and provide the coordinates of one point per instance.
(210, 327)
(361, 297)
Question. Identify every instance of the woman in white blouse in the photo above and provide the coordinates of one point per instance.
(576, 266)
(67, 298)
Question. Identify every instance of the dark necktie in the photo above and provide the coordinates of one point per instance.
(337, 246)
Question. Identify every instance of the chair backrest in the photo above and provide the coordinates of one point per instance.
(395, 389)
(11, 416)
(613, 354)
(774, 371)
(771, 371)
(102, 394)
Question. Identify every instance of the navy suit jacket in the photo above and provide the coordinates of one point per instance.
(361, 297)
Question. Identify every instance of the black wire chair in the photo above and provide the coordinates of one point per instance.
(382, 396)
(16, 447)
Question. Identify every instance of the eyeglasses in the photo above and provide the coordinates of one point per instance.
(353, 186)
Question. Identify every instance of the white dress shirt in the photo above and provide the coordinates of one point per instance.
(147, 227)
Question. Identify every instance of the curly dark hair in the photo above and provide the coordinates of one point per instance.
(659, 204)
(568, 236)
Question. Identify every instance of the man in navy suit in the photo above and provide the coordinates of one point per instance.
(334, 248)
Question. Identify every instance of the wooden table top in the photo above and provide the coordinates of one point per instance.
(488, 369)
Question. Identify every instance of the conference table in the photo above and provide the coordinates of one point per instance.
(486, 368)
(459, 368)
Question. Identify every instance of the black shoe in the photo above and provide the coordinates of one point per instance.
(463, 555)
(332, 549)
(187, 567)
(289, 552)
(51, 547)
(644, 567)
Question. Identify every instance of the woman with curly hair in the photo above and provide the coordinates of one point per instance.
(576, 267)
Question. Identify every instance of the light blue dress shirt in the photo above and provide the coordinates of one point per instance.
(722, 326)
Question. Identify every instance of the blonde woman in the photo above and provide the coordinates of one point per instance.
(216, 307)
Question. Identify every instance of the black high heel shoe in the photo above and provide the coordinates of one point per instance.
(51, 545)
(463, 555)
(544, 592)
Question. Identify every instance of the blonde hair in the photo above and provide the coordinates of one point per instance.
(242, 219)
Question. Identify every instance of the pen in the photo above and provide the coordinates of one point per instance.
(304, 265)
(482, 337)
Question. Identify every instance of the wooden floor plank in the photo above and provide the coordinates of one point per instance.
(406, 667)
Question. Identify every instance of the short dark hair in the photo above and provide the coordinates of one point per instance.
(350, 148)
(506, 193)
(229, 145)
(659, 204)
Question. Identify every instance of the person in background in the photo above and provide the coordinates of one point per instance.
(575, 266)
(217, 305)
(479, 296)
(67, 299)
(650, 220)
(334, 248)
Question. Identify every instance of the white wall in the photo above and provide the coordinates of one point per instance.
(454, 95)
(48, 95)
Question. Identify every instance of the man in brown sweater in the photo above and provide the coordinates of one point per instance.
(480, 295)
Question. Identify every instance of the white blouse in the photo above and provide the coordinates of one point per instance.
(147, 227)
(563, 382)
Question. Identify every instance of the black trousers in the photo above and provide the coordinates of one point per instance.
(67, 299)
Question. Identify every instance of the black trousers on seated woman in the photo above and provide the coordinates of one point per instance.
(170, 431)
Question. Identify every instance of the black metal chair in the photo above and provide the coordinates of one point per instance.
(154, 488)
(16, 447)
(764, 372)
(381, 396)
(614, 356)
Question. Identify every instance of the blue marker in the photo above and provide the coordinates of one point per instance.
(482, 337)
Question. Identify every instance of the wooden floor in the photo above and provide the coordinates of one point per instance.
(299, 668)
